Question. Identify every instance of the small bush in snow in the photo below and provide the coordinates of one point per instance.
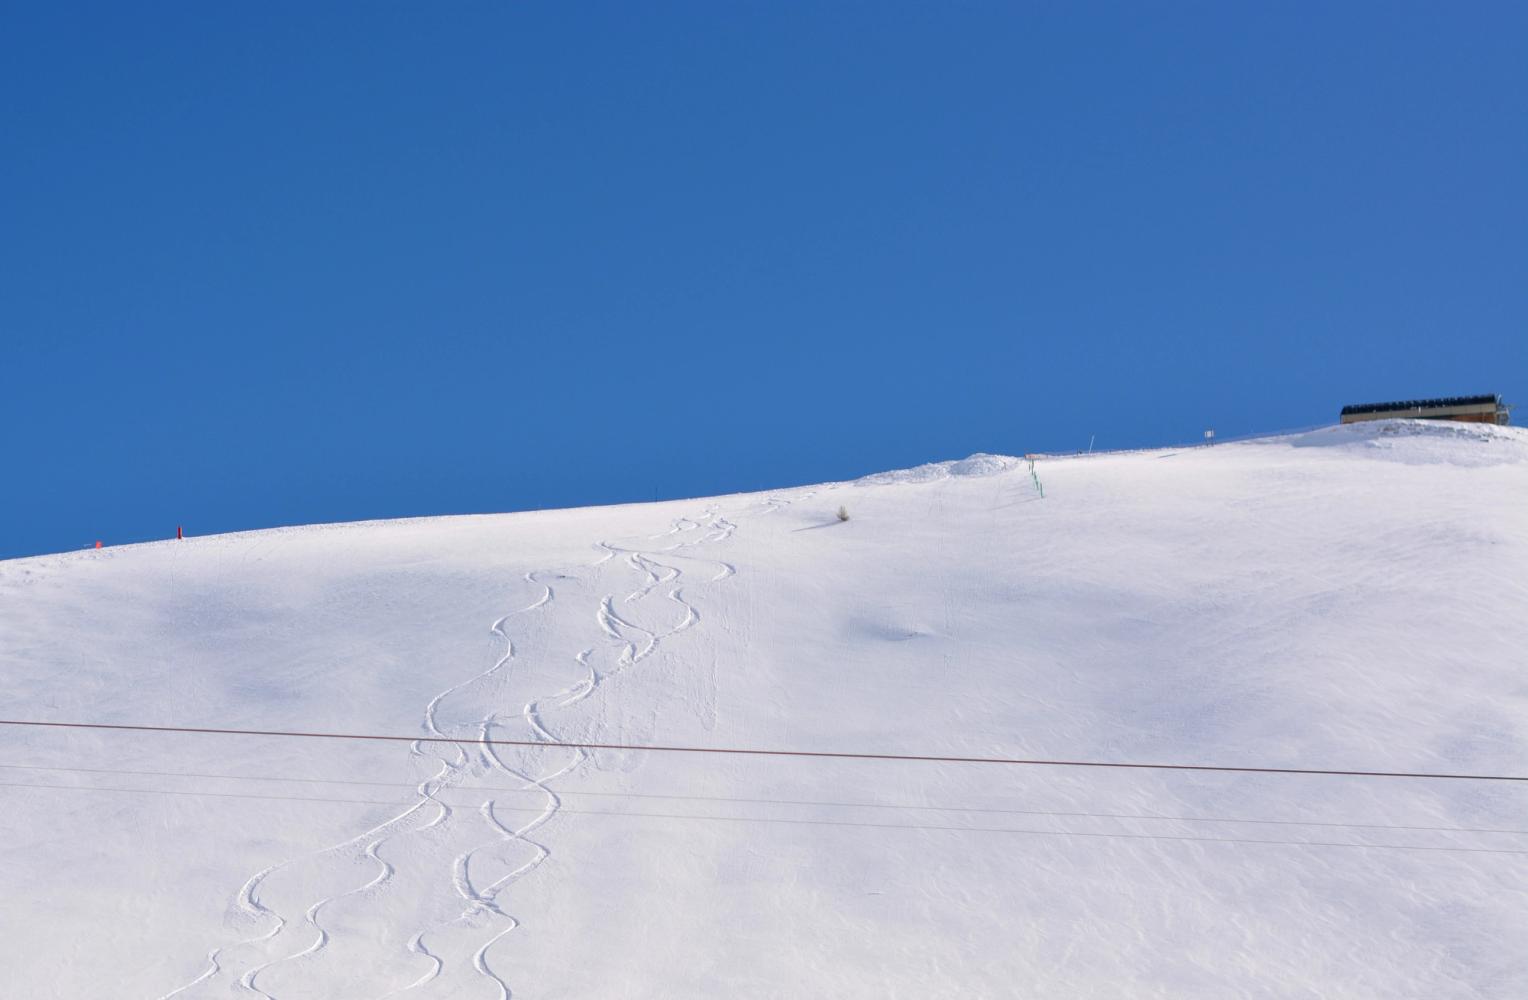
(843, 513)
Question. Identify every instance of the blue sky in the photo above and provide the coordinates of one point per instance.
(272, 264)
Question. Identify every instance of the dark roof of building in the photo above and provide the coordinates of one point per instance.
(1423, 404)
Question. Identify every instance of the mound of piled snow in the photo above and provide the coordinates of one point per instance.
(1425, 441)
(1347, 599)
(976, 465)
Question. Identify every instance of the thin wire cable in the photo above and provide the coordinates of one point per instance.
(741, 751)
(809, 822)
(740, 800)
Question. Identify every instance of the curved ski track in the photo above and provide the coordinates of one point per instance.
(636, 643)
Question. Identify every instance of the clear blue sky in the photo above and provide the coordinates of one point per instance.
(268, 264)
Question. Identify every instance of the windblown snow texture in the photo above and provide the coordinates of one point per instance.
(1351, 598)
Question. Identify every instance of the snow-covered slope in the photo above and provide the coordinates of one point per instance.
(1353, 598)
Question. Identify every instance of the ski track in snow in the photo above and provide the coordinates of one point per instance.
(248, 902)
(454, 770)
(248, 899)
(636, 643)
(655, 574)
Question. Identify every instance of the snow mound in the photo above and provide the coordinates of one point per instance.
(977, 465)
(983, 465)
(1424, 442)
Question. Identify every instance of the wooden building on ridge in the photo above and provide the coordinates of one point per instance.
(1473, 409)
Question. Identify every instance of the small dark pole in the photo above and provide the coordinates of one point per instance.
(179, 532)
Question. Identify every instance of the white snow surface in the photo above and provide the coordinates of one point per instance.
(1352, 598)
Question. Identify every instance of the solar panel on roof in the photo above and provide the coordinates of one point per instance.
(1423, 404)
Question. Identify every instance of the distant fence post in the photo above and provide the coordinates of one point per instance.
(1035, 476)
